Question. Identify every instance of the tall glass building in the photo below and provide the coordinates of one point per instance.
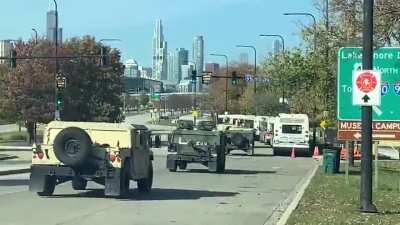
(51, 27)
(160, 53)
(198, 58)
(181, 57)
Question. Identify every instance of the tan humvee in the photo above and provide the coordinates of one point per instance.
(106, 153)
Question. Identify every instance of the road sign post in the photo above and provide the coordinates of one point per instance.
(366, 115)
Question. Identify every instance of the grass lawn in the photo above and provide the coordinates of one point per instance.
(328, 200)
(13, 136)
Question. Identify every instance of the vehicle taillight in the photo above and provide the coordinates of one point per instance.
(112, 157)
(40, 155)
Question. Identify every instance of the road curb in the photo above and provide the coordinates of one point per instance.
(292, 201)
(15, 171)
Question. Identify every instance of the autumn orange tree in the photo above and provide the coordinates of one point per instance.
(92, 94)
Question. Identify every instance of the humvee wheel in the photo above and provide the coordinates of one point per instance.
(124, 179)
(145, 184)
(221, 158)
(174, 168)
(79, 183)
(49, 186)
(182, 165)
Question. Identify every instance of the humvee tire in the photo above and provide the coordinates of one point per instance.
(182, 165)
(72, 146)
(124, 179)
(79, 183)
(221, 159)
(49, 186)
(174, 168)
(145, 184)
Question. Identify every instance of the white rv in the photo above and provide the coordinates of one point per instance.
(291, 131)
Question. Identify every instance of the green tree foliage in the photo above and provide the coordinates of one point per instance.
(144, 99)
(92, 93)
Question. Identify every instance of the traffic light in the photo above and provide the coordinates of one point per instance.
(206, 78)
(13, 60)
(235, 78)
(59, 101)
(194, 75)
(103, 56)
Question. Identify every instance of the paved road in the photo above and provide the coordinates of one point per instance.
(247, 194)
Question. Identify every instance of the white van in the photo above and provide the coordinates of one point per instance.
(291, 131)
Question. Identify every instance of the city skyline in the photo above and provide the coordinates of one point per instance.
(182, 20)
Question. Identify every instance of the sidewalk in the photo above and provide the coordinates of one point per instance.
(15, 162)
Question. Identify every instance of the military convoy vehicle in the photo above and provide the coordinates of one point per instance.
(239, 131)
(202, 145)
(106, 153)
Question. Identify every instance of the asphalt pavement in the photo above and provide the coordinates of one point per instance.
(250, 191)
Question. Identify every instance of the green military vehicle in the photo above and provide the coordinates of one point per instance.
(106, 153)
(239, 132)
(203, 145)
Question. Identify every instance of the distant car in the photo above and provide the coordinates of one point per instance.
(110, 154)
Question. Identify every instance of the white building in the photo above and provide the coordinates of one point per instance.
(132, 68)
(160, 54)
(5, 47)
(185, 86)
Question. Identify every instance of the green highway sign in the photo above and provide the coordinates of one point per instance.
(155, 97)
(386, 60)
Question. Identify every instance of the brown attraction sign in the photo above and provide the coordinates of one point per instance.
(382, 130)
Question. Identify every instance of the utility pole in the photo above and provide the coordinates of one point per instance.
(57, 115)
(366, 204)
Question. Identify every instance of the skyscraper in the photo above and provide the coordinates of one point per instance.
(244, 58)
(213, 68)
(171, 66)
(198, 57)
(51, 27)
(277, 46)
(181, 57)
(5, 47)
(160, 52)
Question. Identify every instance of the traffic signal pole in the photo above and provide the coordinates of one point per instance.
(57, 115)
(366, 204)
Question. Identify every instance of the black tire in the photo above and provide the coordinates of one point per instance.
(145, 184)
(237, 139)
(221, 158)
(72, 146)
(182, 165)
(79, 183)
(49, 186)
(157, 141)
(175, 168)
(124, 178)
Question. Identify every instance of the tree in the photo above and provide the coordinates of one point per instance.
(92, 93)
(144, 99)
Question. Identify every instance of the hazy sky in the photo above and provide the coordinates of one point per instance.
(223, 23)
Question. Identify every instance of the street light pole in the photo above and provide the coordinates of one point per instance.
(283, 54)
(226, 79)
(57, 115)
(36, 35)
(315, 53)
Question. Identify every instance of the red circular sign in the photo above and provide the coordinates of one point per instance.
(366, 82)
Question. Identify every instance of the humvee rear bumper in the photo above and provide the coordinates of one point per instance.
(64, 173)
(173, 159)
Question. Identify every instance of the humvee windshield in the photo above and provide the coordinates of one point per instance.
(197, 139)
